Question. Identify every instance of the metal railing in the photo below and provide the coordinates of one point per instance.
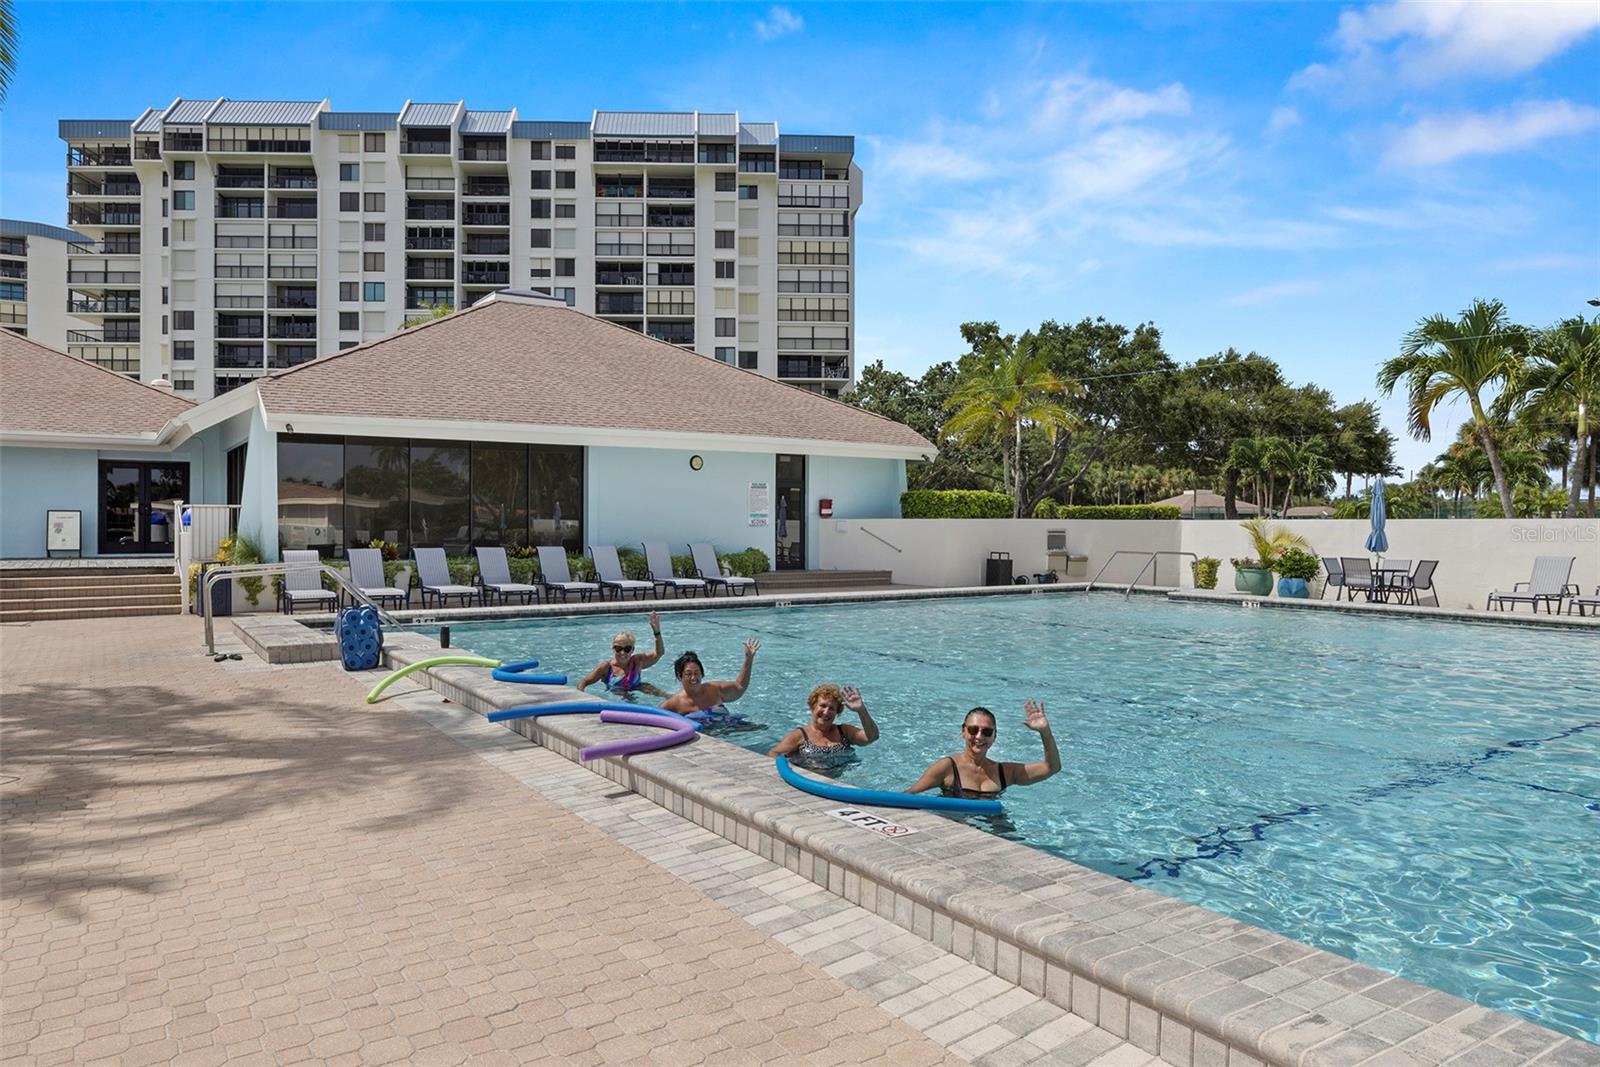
(1153, 558)
(875, 537)
(264, 570)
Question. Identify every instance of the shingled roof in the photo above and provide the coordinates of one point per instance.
(530, 362)
(44, 391)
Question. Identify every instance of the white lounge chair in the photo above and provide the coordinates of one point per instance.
(557, 577)
(659, 562)
(608, 568)
(494, 575)
(366, 574)
(302, 582)
(1582, 603)
(707, 566)
(1547, 585)
(433, 575)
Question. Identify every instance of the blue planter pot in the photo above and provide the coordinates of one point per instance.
(1295, 587)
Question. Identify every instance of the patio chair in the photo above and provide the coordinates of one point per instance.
(433, 575)
(557, 577)
(1357, 576)
(494, 577)
(608, 571)
(1584, 602)
(1418, 581)
(366, 574)
(708, 568)
(659, 562)
(302, 583)
(1547, 585)
(1335, 580)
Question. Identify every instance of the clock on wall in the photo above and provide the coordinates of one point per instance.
(695, 463)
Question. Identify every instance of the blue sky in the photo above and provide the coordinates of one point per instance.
(1304, 180)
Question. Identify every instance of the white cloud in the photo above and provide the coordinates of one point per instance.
(1283, 118)
(1437, 139)
(1094, 102)
(1445, 40)
(1117, 163)
(780, 21)
(931, 161)
(1271, 294)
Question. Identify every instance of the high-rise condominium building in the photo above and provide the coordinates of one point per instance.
(33, 281)
(233, 237)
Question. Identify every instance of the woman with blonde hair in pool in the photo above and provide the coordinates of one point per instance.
(620, 673)
(971, 774)
(823, 742)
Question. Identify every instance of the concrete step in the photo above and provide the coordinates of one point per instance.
(33, 588)
(72, 603)
(25, 571)
(816, 581)
(7, 615)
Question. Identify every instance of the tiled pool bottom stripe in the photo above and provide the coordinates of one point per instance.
(1175, 980)
(972, 1012)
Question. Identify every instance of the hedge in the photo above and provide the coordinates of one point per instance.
(1049, 509)
(955, 504)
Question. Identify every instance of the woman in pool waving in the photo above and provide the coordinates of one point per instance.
(698, 694)
(822, 742)
(971, 774)
(620, 673)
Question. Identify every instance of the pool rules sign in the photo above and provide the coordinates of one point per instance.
(760, 504)
(871, 822)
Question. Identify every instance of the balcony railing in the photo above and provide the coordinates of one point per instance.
(16, 271)
(431, 242)
(483, 188)
(424, 148)
(431, 185)
(480, 276)
(240, 303)
(813, 230)
(303, 329)
(661, 190)
(813, 287)
(100, 277)
(283, 147)
(431, 210)
(240, 328)
(239, 357)
(472, 216)
(120, 358)
(294, 181)
(117, 244)
(184, 141)
(278, 271)
(716, 153)
(283, 356)
(631, 188)
(241, 181)
(619, 277)
(834, 202)
(99, 156)
(241, 271)
(97, 215)
(105, 336)
(812, 368)
(669, 218)
(13, 246)
(240, 209)
(814, 344)
(477, 245)
(664, 248)
(431, 270)
(675, 333)
(757, 165)
(483, 152)
(643, 152)
(294, 301)
(121, 306)
(619, 303)
(618, 248)
(147, 150)
(294, 209)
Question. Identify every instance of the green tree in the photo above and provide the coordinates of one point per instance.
(1469, 356)
(1005, 389)
(1561, 383)
(1307, 463)
(1360, 444)
(435, 311)
(1216, 402)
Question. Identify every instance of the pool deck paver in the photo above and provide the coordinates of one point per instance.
(233, 863)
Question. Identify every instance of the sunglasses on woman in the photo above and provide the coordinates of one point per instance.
(980, 731)
(622, 648)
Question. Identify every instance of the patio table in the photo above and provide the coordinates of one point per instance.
(1385, 580)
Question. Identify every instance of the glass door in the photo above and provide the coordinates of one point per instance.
(790, 517)
(128, 489)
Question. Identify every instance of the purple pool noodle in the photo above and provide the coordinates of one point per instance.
(586, 706)
(681, 732)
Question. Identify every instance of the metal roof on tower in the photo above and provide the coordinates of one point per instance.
(758, 133)
(357, 120)
(67, 128)
(266, 112)
(189, 112)
(541, 130)
(719, 124)
(644, 123)
(488, 121)
(432, 114)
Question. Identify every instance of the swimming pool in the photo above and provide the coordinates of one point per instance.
(1419, 796)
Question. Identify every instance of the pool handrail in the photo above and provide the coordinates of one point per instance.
(264, 570)
(1154, 556)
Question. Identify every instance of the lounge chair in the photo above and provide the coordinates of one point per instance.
(659, 562)
(1357, 576)
(1335, 580)
(557, 577)
(1407, 586)
(608, 568)
(433, 575)
(1584, 602)
(1547, 585)
(302, 582)
(366, 574)
(494, 576)
(707, 567)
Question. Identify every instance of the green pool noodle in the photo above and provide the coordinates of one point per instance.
(423, 664)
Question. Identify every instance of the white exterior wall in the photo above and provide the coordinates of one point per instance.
(1475, 555)
(45, 306)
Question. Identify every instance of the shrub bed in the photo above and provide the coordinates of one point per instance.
(1049, 509)
(955, 504)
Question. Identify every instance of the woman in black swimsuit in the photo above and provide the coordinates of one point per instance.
(971, 774)
(822, 742)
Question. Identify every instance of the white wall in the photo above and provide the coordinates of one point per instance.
(637, 494)
(1475, 555)
(859, 488)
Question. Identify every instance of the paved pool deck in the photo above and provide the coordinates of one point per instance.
(241, 863)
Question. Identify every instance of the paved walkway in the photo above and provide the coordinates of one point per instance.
(209, 863)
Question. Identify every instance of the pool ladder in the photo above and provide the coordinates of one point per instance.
(1148, 563)
(263, 570)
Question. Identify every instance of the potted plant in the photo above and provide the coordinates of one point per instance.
(1295, 568)
(1205, 572)
(1254, 575)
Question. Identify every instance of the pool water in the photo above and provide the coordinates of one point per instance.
(1421, 796)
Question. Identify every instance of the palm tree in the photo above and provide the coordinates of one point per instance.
(1013, 388)
(1443, 357)
(1308, 463)
(1561, 382)
(1248, 459)
(434, 311)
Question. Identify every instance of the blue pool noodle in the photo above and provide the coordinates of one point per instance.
(517, 672)
(882, 798)
(583, 707)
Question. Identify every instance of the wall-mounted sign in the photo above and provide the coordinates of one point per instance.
(871, 822)
(63, 531)
(761, 504)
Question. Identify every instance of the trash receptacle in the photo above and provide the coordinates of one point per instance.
(997, 569)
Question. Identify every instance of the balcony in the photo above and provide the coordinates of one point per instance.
(124, 359)
(634, 247)
(492, 151)
(486, 215)
(668, 248)
(234, 208)
(294, 209)
(115, 334)
(485, 274)
(630, 275)
(240, 303)
(434, 240)
(291, 242)
(111, 305)
(147, 150)
(619, 187)
(418, 146)
(813, 229)
(716, 153)
(285, 356)
(840, 202)
(77, 185)
(17, 271)
(486, 187)
(676, 217)
(294, 178)
(643, 152)
(101, 215)
(430, 270)
(241, 270)
(99, 156)
(672, 274)
(285, 270)
(239, 357)
(619, 303)
(758, 163)
(13, 246)
(239, 326)
(295, 328)
(431, 185)
(486, 245)
(790, 367)
(814, 344)
(674, 333)
(97, 278)
(255, 142)
(294, 299)
(425, 298)
(431, 210)
(183, 141)
(234, 178)
(664, 189)
(115, 244)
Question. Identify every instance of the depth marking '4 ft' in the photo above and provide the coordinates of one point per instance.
(871, 822)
